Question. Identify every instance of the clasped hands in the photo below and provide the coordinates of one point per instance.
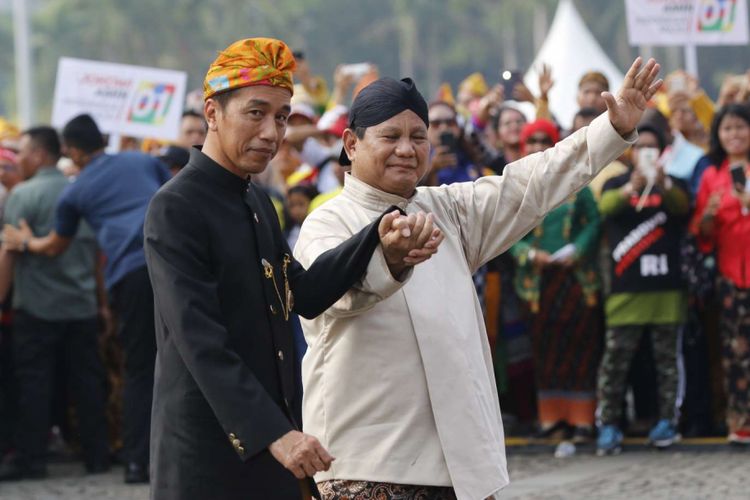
(408, 240)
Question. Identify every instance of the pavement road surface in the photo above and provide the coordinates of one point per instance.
(721, 473)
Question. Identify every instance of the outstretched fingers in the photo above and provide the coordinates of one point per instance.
(651, 77)
(648, 84)
(653, 88)
(644, 78)
(629, 80)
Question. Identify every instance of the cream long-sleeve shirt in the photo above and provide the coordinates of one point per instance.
(398, 378)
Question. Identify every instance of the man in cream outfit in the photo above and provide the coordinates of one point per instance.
(398, 377)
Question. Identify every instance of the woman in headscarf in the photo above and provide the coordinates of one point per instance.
(722, 224)
(557, 278)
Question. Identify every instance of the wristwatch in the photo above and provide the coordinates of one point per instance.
(25, 245)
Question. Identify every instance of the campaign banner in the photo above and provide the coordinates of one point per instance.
(123, 99)
(682, 22)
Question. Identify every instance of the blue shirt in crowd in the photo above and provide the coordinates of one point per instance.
(465, 171)
(112, 194)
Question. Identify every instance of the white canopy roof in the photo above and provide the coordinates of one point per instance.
(570, 50)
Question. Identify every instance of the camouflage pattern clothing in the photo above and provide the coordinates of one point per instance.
(621, 343)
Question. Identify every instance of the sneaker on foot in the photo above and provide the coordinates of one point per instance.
(136, 473)
(663, 434)
(610, 440)
(740, 436)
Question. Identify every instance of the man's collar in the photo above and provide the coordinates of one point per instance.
(47, 170)
(218, 174)
(371, 197)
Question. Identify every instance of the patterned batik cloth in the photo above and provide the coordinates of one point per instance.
(735, 335)
(341, 489)
(252, 61)
(566, 336)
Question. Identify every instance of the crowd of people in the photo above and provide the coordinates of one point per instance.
(626, 311)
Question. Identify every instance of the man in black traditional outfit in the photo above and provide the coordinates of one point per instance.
(225, 420)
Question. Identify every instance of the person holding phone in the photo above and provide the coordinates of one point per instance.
(644, 215)
(721, 223)
(449, 158)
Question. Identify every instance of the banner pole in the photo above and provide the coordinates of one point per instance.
(691, 59)
(24, 79)
(114, 143)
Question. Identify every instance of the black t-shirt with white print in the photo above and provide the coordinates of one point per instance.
(644, 246)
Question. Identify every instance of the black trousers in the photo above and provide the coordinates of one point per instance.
(698, 418)
(37, 344)
(133, 303)
(8, 386)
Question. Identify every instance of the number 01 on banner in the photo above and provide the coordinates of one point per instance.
(123, 99)
(683, 22)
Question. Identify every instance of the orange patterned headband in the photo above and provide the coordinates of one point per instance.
(252, 61)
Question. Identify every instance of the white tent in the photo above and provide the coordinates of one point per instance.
(570, 50)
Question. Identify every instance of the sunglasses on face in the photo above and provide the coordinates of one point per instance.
(448, 122)
(542, 141)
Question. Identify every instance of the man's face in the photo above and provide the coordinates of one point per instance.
(392, 156)
(682, 118)
(250, 126)
(297, 205)
(77, 156)
(287, 160)
(302, 71)
(538, 141)
(590, 96)
(442, 119)
(509, 127)
(646, 139)
(192, 131)
(10, 174)
(29, 158)
(298, 119)
(581, 121)
(464, 98)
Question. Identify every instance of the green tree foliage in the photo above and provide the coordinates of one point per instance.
(439, 40)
